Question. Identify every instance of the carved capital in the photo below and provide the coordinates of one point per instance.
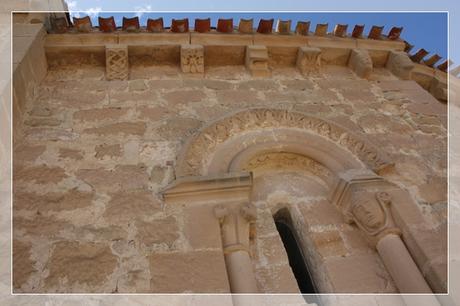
(235, 222)
(116, 62)
(364, 202)
(192, 58)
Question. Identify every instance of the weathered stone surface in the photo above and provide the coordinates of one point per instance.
(137, 85)
(202, 227)
(70, 153)
(42, 122)
(154, 113)
(329, 244)
(123, 177)
(125, 206)
(97, 114)
(320, 213)
(308, 59)
(51, 201)
(48, 227)
(277, 279)
(23, 264)
(184, 97)
(28, 153)
(400, 64)
(162, 231)
(236, 96)
(197, 271)
(125, 128)
(361, 62)
(42, 174)
(359, 274)
(178, 127)
(75, 263)
(298, 84)
(103, 150)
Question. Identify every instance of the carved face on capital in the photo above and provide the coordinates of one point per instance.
(368, 212)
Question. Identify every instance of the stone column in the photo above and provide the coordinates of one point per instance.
(235, 229)
(364, 202)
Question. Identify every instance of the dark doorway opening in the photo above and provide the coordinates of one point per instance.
(283, 224)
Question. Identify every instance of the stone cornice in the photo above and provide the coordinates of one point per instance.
(226, 187)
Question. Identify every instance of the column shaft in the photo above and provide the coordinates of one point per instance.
(401, 266)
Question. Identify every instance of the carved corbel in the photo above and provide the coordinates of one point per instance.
(308, 59)
(116, 57)
(361, 63)
(192, 58)
(370, 211)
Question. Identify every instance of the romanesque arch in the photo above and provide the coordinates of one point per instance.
(222, 145)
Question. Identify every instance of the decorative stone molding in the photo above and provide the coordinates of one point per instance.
(360, 62)
(192, 58)
(116, 57)
(308, 59)
(196, 154)
(285, 160)
(257, 61)
(400, 64)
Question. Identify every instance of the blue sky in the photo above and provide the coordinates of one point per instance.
(423, 29)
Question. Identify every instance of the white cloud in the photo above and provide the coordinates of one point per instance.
(93, 11)
(140, 10)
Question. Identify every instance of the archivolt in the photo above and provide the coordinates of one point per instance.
(200, 150)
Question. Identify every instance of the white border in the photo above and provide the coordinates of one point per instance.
(231, 294)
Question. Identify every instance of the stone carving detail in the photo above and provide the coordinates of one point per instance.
(237, 220)
(308, 59)
(257, 60)
(400, 64)
(285, 160)
(370, 212)
(201, 147)
(192, 58)
(361, 62)
(116, 57)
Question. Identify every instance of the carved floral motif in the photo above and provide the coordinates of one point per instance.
(192, 59)
(205, 143)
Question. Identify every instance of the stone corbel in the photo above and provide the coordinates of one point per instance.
(257, 61)
(400, 64)
(365, 200)
(192, 58)
(116, 62)
(308, 59)
(361, 63)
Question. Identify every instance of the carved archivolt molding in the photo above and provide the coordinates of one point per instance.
(200, 148)
(286, 160)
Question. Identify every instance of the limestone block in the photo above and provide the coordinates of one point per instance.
(192, 58)
(438, 89)
(257, 61)
(116, 58)
(400, 64)
(308, 59)
(361, 63)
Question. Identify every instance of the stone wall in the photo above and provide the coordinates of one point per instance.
(94, 154)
